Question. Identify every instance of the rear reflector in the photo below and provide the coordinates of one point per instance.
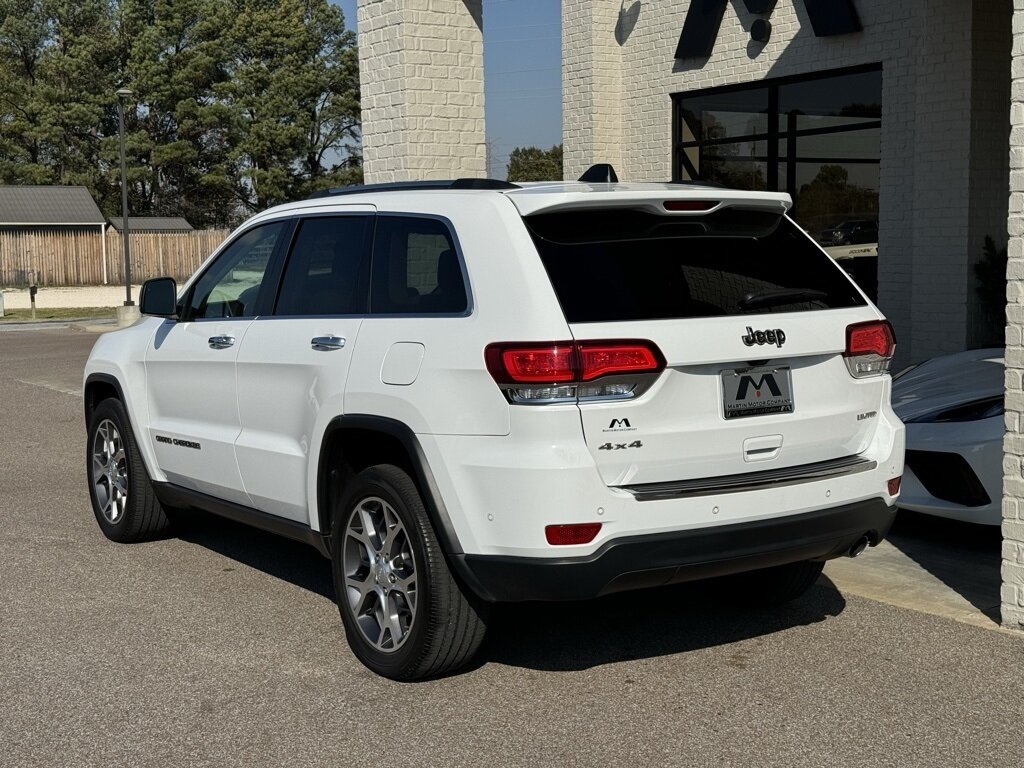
(690, 205)
(894, 486)
(577, 533)
(869, 348)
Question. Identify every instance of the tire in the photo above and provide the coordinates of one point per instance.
(120, 490)
(433, 626)
(777, 585)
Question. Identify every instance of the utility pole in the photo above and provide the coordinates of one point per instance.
(123, 94)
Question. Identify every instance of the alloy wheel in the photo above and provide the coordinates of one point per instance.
(380, 574)
(109, 471)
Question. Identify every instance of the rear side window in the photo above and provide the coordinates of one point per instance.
(416, 269)
(622, 264)
(327, 271)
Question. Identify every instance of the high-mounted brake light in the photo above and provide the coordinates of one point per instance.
(576, 533)
(690, 205)
(869, 348)
(566, 371)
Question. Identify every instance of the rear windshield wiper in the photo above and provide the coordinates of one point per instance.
(781, 296)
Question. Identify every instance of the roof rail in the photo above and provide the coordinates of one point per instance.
(408, 186)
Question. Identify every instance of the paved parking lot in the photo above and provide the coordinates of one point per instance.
(223, 647)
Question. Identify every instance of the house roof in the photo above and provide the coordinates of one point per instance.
(48, 206)
(152, 223)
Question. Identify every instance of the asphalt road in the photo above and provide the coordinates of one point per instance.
(223, 647)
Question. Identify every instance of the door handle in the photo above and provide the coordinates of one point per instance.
(326, 343)
(221, 342)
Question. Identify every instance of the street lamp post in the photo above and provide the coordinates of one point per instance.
(122, 95)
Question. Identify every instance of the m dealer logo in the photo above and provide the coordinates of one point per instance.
(704, 17)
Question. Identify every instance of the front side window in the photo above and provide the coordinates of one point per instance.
(416, 269)
(231, 286)
(327, 270)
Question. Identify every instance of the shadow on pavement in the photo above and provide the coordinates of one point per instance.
(644, 624)
(963, 556)
(551, 636)
(276, 556)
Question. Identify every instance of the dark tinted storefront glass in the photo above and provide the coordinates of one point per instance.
(820, 142)
(828, 101)
(727, 115)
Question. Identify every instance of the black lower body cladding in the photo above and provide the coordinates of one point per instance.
(667, 558)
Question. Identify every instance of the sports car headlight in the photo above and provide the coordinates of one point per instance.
(979, 409)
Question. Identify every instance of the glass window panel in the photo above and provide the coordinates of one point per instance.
(735, 172)
(797, 122)
(618, 265)
(327, 269)
(837, 203)
(855, 96)
(725, 115)
(848, 145)
(736, 150)
(416, 269)
(231, 285)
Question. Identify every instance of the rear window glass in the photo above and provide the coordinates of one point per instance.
(621, 264)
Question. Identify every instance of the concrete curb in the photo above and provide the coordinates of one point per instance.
(98, 326)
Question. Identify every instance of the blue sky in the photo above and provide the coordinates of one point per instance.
(522, 74)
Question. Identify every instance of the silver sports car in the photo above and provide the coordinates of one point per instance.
(953, 408)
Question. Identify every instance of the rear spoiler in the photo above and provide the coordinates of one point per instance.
(648, 197)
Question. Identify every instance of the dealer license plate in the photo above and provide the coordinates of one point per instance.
(757, 391)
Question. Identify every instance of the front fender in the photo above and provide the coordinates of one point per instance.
(118, 359)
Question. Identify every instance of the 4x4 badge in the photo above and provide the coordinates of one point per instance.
(776, 337)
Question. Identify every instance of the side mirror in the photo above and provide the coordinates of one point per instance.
(159, 297)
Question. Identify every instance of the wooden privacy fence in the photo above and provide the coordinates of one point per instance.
(76, 256)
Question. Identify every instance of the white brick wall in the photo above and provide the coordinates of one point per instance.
(1013, 467)
(939, 182)
(592, 85)
(421, 72)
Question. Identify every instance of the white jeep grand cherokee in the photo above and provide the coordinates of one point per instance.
(468, 392)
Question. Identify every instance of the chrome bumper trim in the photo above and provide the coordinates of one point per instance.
(751, 481)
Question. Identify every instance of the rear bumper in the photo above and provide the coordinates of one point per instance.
(653, 560)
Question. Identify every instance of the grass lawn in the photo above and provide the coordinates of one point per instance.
(59, 313)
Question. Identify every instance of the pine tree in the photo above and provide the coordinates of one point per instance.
(238, 104)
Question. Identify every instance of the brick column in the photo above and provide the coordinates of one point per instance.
(421, 73)
(1013, 447)
(591, 86)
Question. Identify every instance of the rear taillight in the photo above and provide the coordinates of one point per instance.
(566, 371)
(869, 348)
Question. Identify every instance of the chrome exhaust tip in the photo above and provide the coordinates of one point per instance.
(860, 546)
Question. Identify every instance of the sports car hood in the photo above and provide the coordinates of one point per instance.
(948, 381)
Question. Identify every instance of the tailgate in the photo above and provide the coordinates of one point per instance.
(790, 406)
(751, 318)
